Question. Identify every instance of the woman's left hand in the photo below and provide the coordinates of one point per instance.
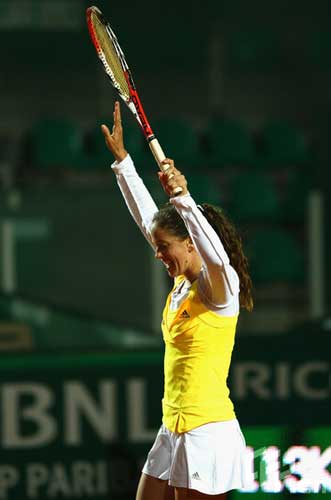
(114, 140)
(172, 178)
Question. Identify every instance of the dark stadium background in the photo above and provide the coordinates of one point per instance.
(239, 94)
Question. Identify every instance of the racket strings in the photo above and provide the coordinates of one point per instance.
(110, 57)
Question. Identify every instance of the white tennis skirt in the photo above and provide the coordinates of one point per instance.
(209, 458)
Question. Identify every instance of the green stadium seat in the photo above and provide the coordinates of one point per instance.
(204, 188)
(283, 144)
(295, 195)
(275, 257)
(230, 143)
(56, 143)
(179, 140)
(254, 197)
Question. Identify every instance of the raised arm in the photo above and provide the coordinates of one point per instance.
(220, 280)
(137, 198)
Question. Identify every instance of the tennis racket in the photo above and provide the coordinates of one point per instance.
(116, 67)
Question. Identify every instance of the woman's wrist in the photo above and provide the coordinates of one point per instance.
(121, 155)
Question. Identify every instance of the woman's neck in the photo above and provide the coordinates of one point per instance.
(194, 270)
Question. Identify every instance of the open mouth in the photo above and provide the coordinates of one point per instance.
(167, 265)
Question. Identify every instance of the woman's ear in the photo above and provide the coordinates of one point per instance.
(190, 246)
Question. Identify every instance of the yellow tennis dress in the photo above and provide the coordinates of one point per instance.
(198, 349)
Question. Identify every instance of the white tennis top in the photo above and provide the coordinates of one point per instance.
(216, 272)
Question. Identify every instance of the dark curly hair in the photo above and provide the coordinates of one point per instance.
(169, 219)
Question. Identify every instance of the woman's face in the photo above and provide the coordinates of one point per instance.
(175, 253)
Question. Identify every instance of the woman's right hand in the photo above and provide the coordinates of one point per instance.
(114, 140)
(172, 179)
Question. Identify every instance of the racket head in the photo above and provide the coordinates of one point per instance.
(108, 50)
(115, 65)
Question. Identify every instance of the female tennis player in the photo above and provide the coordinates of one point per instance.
(199, 450)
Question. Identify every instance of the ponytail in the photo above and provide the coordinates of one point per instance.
(232, 243)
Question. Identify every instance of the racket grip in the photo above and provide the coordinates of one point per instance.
(159, 156)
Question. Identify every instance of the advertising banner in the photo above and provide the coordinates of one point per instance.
(80, 426)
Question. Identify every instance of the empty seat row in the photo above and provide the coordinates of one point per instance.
(222, 143)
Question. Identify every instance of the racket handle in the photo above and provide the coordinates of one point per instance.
(159, 156)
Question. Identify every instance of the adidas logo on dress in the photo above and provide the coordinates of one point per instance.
(184, 315)
(195, 476)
